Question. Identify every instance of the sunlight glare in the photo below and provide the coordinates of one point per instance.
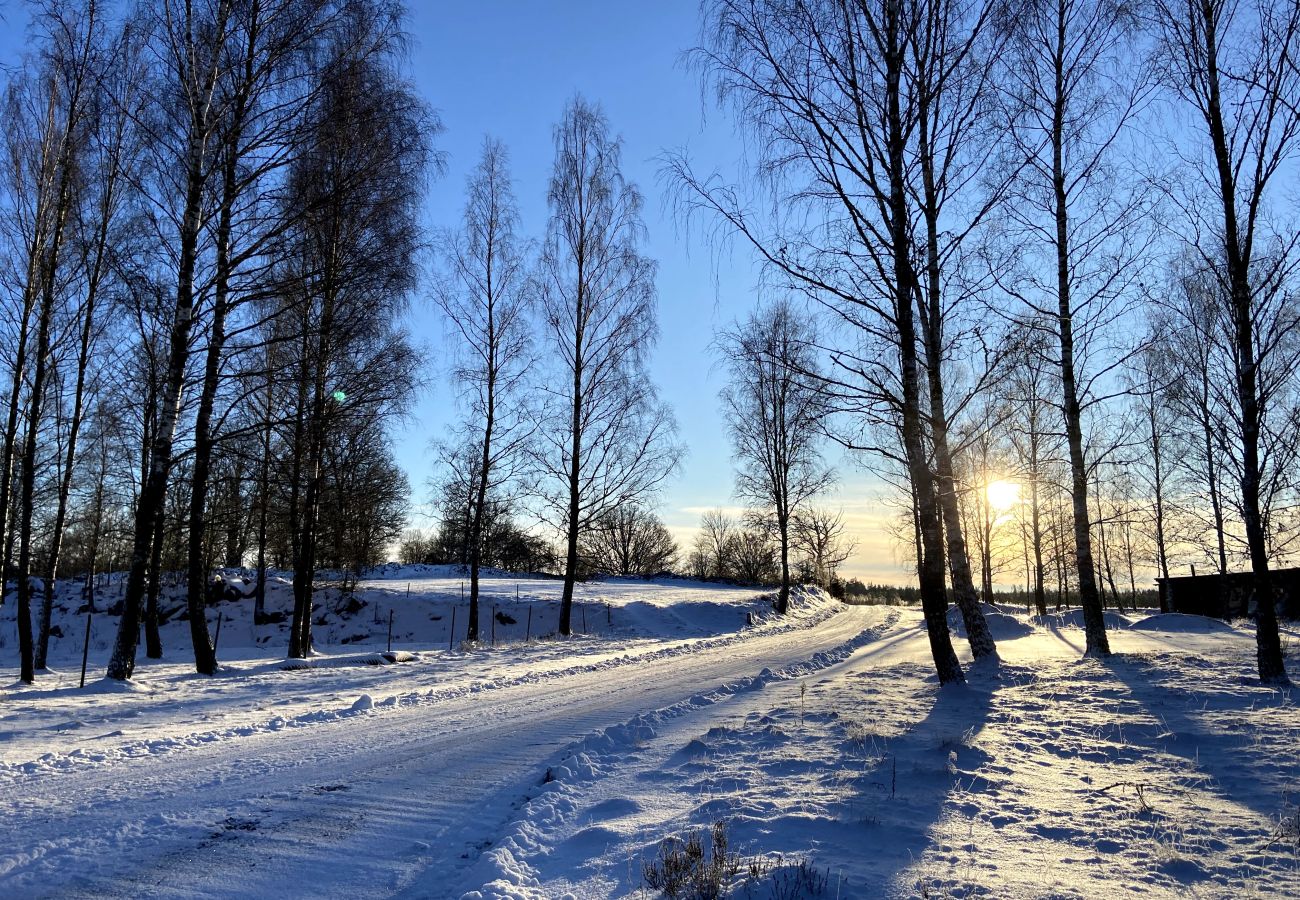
(1003, 494)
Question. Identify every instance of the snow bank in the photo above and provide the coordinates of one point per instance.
(505, 872)
(1002, 625)
(808, 608)
(1073, 618)
(1182, 623)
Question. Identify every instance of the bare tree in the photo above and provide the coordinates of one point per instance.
(1152, 374)
(1073, 90)
(98, 239)
(629, 540)
(31, 154)
(190, 41)
(774, 410)
(955, 48)
(609, 439)
(821, 539)
(1235, 65)
(1034, 441)
(827, 90)
(65, 86)
(355, 187)
(712, 541)
(259, 95)
(1199, 388)
(487, 299)
(753, 557)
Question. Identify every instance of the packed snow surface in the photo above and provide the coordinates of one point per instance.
(549, 768)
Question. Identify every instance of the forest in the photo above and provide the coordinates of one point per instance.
(1031, 265)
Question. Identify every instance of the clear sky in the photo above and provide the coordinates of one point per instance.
(506, 68)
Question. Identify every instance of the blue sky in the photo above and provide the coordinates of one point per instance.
(506, 68)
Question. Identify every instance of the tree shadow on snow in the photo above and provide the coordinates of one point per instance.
(1218, 750)
(923, 773)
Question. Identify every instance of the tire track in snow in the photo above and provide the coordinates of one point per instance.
(429, 785)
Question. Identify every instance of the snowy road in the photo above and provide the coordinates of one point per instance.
(1163, 771)
(398, 800)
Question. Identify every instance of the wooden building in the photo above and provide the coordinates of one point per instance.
(1229, 596)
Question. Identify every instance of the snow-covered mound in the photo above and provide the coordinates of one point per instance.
(395, 571)
(1182, 623)
(1073, 618)
(1002, 625)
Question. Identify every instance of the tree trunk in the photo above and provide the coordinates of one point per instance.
(74, 431)
(154, 492)
(783, 598)
(575, 483)
(1104, 567)
(205, 659)
(1036, 532)
(1216, 498)
(1157, 460)
(263, 511)
(1272, 668)
(480, 501)
(931, 303)
(304, 568)
(96, 529)
(933, 600)
(27, 485)
(11, 426)
(153, 647)
(1096, 642)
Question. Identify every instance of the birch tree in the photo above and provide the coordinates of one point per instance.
(190, 41)
(1235, 66)
(65, 85)
(826, 89)
(486, 296)
(347, 265)
(1075, 82)
(774, 411)
(610, 440)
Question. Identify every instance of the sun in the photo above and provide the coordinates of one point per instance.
(1002, 495)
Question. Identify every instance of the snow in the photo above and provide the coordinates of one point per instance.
(1182, 623)
(554, 768)
(1045, 776)
(1074, 619)
(1002, 625)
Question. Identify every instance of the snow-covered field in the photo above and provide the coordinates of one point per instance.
(548, 769)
